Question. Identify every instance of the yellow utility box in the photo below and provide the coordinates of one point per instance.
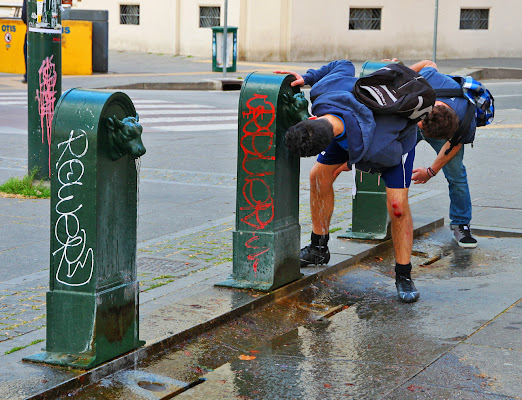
(76, 47)
(12, 46)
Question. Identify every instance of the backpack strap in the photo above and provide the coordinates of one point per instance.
(449, 92)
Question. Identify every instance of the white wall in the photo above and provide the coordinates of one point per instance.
(166, 26)
(317, 30)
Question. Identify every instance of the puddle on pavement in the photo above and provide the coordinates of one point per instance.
(263, 350)
(339, 337)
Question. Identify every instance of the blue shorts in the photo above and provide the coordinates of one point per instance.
(397, 177)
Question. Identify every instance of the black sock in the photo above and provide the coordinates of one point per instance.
(320, 240)
(403, 270)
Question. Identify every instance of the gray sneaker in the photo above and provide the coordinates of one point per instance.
(462, 235)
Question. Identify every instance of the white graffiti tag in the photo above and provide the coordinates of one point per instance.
(67, 230)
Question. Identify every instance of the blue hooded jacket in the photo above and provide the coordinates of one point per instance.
(375, 141)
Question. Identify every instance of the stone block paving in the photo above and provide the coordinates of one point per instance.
(21, 311)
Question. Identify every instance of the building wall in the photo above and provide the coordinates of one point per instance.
(312, 30)
(166, 26)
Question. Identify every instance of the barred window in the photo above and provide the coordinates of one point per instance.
(209, 16)
(129, 14)
(365, 18)
(474, 19)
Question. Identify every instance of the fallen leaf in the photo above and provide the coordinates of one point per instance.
(378, 258)
(246, 358)
(413, 388)
(187, 353)
(254, 351)
(327, 385)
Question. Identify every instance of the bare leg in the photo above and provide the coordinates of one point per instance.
(401, 224)
(322, 196)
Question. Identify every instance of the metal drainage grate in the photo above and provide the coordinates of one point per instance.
(162, 265)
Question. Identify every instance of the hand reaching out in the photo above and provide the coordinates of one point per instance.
(420, 175)
(299, 81)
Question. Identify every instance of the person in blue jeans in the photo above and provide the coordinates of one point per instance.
(437, 128)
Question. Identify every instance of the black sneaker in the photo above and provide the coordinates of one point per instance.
(462, 235)
(311, 255)
(406, 290)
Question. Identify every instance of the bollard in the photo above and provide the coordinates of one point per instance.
(44, 80)
(267, 234)
(369, 212)
(92, 302)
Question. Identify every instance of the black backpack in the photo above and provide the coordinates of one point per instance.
(396, 89)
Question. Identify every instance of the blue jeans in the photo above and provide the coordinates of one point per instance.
(455, 173)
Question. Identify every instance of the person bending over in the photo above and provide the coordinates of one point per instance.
(348, 136)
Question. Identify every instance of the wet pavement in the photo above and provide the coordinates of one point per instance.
(347, 336)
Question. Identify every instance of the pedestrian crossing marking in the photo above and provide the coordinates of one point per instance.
(156, 115)
(195, 128)
(169, 106)
(13, 103)
(186, 119)
(185, 112)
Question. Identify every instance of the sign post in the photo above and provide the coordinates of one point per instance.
(44, 80)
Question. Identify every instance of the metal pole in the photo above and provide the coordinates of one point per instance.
(44, 79)
(225, 37)
(434, 58)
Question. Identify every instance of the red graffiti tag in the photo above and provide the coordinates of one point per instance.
(46, 99)
(256, 142)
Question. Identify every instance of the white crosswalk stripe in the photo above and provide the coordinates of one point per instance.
(203, 118)
(186, 112)
(196, 128)
(13, 99)
(13, 103)
(164, 116)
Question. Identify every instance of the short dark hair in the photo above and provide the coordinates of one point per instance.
(441, 123)
(309, 137)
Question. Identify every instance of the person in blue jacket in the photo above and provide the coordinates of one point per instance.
(349, 136)
(437, 128)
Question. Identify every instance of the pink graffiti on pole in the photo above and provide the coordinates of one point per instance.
(46, 99)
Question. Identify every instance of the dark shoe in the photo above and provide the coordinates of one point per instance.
(311, 255)
(462, 235)
(406, 290)
(24, 80)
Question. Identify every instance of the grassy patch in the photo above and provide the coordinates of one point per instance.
(157, 285)
(23, 347)
(25, 187)
(162, 277)
(334, 230)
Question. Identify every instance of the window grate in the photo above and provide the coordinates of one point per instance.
(209, 16)
(365, 18)
(129, 14)
(474, 19)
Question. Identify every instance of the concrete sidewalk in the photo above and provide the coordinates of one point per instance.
(178, 299)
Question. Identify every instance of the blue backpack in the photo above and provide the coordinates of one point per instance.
(481, 104)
